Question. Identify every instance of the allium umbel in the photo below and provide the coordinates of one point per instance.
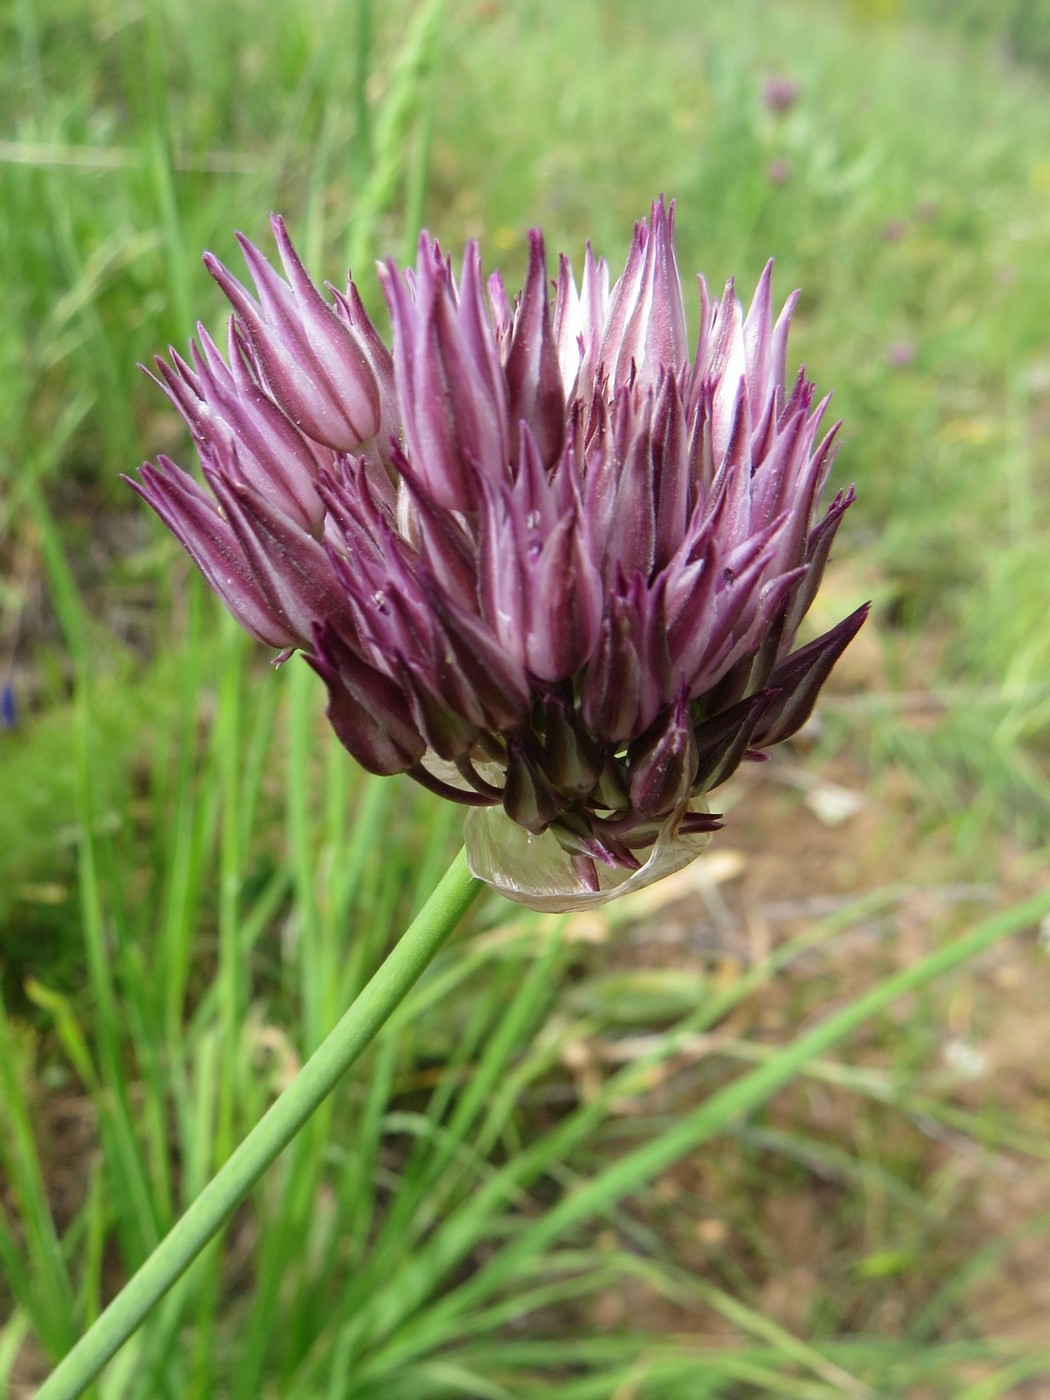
(546, 561)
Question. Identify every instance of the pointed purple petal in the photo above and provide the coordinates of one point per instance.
(192, 518)
(368, 712)
(533, 374)
(799, 679)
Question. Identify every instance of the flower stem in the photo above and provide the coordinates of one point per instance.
(372, 1008)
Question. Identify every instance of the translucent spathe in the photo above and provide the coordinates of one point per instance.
(538, 871)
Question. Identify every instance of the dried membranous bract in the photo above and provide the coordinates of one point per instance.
(548, 556)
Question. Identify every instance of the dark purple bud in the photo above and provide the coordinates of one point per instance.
(448, 650)
(799, 679)
(564, 603)
(670, 471)
(349, 307)
(290, 567)
(367, 710)
(451, 387)
(448, 734)
(735, 638)
(191, 516)
(612, 686)
(818, 549)
(718, 604)
(661, 765)
(560, 582)
(723, 740)
(311, 360)
(539, 586)
(361, 507)
(620, 496)
(229, 414)
(571, 756)
(471, 669)
(527, 797)
(533, 374)
(443, 543)
(625, 684)
(749, 674)
(790, 473)
(646, 330)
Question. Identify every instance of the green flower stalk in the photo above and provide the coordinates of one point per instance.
(274, 1131)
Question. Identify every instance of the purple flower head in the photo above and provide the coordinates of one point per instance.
(311, 360)
(901, 353)
(548, 557)
(780, 93)
(778, 171)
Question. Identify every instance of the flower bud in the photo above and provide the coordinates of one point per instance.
(312, 361)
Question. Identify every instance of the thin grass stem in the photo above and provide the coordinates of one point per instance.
(391, 983)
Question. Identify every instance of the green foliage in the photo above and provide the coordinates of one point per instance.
(1020, 27)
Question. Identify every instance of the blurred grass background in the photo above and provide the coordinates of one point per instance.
(193, 880)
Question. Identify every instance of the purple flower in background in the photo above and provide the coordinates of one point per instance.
(780, 93)
(901, 353)
(548, 557)
(8, 706)
(778, 171)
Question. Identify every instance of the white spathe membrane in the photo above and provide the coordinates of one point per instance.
(537, 871)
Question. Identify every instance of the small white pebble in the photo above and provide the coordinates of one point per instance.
(967, 1059)
(832, 804)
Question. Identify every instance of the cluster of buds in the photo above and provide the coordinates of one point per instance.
(547, 560)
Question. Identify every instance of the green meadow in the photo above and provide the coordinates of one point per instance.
(777, 1127)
